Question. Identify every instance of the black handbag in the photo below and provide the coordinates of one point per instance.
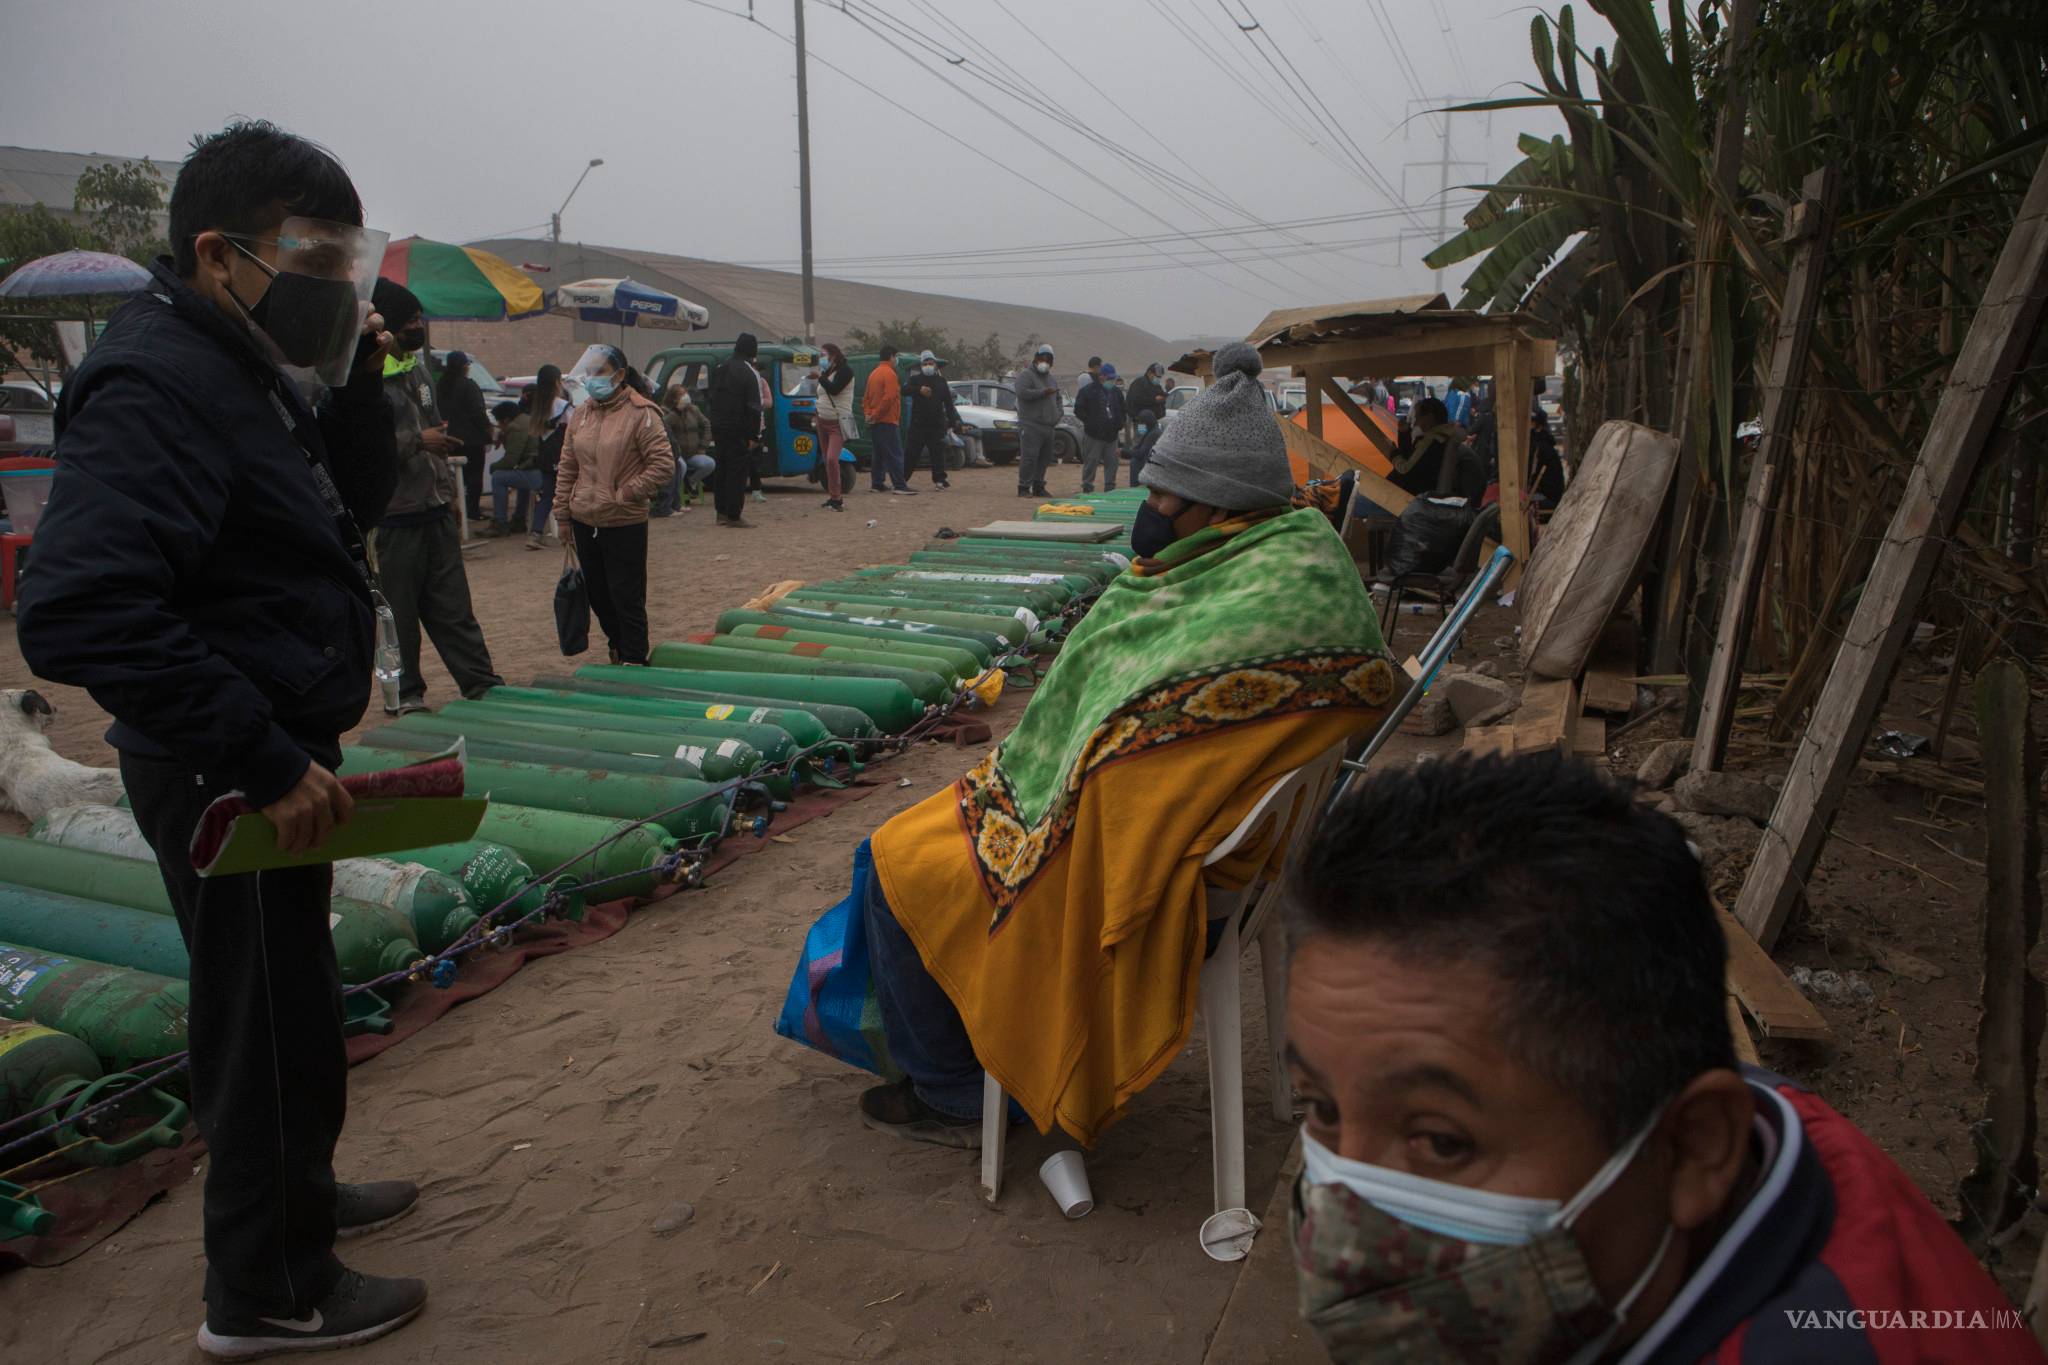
(572, 606)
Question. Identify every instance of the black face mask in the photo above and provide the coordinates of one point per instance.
(1151, 532)
(308, 318)
(412, 338)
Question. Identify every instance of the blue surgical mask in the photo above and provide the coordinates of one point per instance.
(601, 387)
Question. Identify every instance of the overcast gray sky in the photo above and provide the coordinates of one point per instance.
(464, 120)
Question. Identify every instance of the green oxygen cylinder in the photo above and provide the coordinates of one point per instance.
(803, 726)
(717, 762)
(126, 1017)
(1019, 626)
(841, 722)
(1109, 554)
(983, 580)
(953, 659)
(369, 940)
(690, 656)
(981, 646)
(1074, 581)
(888, 704)
(1001, 635)
(116, 878)
(774, 744)
(547, 754)
(1041, 601)
(40, 1068)
(826, 651)
(553, 839)
(429, 905)
(493, 875)
(780, 736)
(620, 796)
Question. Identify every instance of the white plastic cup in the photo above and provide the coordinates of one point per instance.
(1067, 1181)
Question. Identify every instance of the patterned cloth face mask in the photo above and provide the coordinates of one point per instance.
(1398, 1268)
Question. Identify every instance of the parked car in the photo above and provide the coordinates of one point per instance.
(28, 417)
(990, 407)
(794, 421)
(493, 390)
(572, 389)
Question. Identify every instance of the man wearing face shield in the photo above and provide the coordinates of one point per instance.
(1045, 918)
(1528, 1138)
(419, 547)
(200, 571)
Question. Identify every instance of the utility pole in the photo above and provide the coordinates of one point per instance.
(803, 161)
(1443, 164)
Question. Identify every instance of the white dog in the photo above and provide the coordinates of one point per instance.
(34, 778)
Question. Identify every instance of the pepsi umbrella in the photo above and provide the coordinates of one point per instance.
(69, 274)
(629, 303)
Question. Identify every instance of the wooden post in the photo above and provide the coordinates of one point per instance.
(1812, 223)
(2009, 1031)
(1370, 429)
(1511, 397)
(1315, 405)
(1999, 337)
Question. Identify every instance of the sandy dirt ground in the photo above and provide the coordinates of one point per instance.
(556, 1122)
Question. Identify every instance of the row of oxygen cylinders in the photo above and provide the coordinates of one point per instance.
(93, 967)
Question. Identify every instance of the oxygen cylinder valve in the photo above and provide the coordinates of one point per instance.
(444, 973)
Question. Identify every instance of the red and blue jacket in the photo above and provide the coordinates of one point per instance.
(1836, 1257)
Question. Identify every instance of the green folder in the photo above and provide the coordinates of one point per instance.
(380, 825)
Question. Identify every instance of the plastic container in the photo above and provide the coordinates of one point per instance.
(27, 491)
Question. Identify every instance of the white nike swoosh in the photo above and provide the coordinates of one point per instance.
(310, 1323)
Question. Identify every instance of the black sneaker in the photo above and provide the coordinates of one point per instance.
(897, 1111)
(367, 1207)
(1041, 491)
(360, 1308)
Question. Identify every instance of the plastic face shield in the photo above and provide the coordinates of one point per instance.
(597, 358)
(320, 296)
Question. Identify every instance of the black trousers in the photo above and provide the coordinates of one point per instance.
(929, 444)
(269, 1074)
(614, 560)
(420, 570)
(729, 484)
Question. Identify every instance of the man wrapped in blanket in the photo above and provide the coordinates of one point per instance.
(1045, 917)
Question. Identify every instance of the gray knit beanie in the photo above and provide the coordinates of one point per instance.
(1224, 448)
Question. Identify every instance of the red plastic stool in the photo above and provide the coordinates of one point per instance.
(12, 543)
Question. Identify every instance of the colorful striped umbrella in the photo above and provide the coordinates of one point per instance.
(461, 283)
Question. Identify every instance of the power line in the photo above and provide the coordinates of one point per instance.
(1066, 160)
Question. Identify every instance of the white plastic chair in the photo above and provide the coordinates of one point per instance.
(1296, 801)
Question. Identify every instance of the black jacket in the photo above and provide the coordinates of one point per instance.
(1146, 392)
(736, 392)
(931, 402)
(187, 571)
(1100, 407)
(462, 407)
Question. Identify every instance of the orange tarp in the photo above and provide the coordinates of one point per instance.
(1339, 431)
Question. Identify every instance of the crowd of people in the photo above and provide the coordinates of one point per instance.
(1527, 1135)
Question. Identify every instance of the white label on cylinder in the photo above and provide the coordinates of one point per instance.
(727, 748)
(691, 753)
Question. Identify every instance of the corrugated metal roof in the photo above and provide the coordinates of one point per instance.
(1373, 319)
(30, 175)
(770, 303)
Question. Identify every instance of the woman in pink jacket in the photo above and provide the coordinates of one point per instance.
(615, 458)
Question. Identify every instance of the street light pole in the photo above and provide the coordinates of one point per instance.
(555, 218)
(803, 161)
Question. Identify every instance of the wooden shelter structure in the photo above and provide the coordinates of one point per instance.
(1416, 334)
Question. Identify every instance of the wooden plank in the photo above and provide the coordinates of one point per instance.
(2009, 1030)
(1589, 737)
(1512, 392)
(1782, 392)
(1315, 412)
(1472, 352)
(1349, 407)
(1745, 1046)
(1610, 674)
(1775, 1003)
(1328, 461)
(1549, 718)
(1999, 337)
(1490, 739)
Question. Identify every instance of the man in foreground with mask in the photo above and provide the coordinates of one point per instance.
(1528, 1139)
(1045, 917)
(200, 571)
